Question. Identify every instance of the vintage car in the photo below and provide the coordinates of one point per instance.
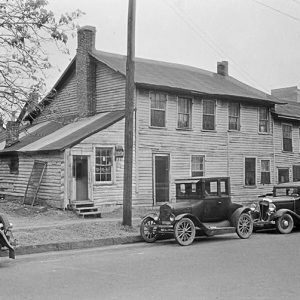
(203, 207)
(279, 209)
(6, 236)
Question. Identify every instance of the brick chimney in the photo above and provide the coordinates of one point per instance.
(222, 68)
(86, 72)
(12, 131)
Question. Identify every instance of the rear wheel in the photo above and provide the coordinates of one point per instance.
(285, 224)
(244, 226)
(148, 232)
(184, 231)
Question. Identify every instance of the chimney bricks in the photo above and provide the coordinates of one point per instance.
(222, 68)
(85, 72)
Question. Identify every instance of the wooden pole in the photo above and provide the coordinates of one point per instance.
(129, 109)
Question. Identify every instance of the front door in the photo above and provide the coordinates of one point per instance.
(161, 178)
(80, 174)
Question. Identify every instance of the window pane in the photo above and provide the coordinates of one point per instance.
(265, 166)
(103, 164)
(296, 173)
(208, 107)
(263, 123)
(209, 122)
(158, 118)
(197, 165)
(283, 175)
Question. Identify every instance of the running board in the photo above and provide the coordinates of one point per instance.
(210, 231)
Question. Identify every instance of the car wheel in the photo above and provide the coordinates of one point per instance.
(285, 224)
(244, 226)
(4, 221)
(184, 231)
(148, 233)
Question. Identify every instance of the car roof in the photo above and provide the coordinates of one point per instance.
(293, 184)
(196, 180)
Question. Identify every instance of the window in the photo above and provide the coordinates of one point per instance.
(250, 171)
(283, 175)
(184, 112)
(264, 121)
(234, 116)
(197, 163)
(13, 164)
(209, 114)
(287, 140)
(103, 164)
(265, 172)
(296, 173)
(158, 109)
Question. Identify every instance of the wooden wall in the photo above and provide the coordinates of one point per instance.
(224, 150)
(50, 189)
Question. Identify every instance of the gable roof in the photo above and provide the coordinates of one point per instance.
(50, 135)
(175, 76)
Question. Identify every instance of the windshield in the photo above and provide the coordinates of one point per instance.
(287, 191)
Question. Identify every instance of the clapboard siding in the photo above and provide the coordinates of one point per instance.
(64, 103)
(224, 150)
(110, 89)
(50, 188)
(286, 159)
(110, 137)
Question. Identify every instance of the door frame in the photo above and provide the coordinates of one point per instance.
(154, 155)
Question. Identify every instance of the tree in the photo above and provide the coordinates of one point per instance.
(26, 29)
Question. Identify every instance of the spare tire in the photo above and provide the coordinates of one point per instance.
(4, 221)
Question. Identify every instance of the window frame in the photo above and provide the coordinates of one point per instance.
(262, 171)
(13, 164)
(191, 165)
(286, 169)
(157, 109)
(284, 149)
(268, 120)
(209, 115)
(189, 113)
(238, 117)
(112, 166)
(255, 172)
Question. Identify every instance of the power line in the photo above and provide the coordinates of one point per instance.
(210, 42)
(278, 11)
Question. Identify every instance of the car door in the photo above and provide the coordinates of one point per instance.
(215, 203)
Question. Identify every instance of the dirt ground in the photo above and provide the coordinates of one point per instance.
(42, 224)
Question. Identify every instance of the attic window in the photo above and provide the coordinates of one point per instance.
(13, 164)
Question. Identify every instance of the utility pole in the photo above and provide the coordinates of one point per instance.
(129, 108)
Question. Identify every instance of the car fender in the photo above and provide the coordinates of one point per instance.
(279, 213)
(190, 216)
(153, 216)
(235, 215)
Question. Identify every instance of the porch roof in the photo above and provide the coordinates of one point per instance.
(51, 135)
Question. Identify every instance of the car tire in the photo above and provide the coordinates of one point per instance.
(285, 224)
(4, 220)
(244, 226)
(149, 235)
(184, 231)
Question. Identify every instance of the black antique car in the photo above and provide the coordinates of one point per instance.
(279, 209)
(203, 207)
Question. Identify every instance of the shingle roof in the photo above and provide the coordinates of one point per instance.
(48, 136)
(163, 74)
(291, 110)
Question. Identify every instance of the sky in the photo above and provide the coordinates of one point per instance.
(259, 38)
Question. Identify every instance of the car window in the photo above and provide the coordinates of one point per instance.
(287, 191)
(211, 188)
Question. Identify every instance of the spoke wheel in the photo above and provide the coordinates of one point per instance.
(184, 231)
(148, 232)
(244, 227)
(285, 224)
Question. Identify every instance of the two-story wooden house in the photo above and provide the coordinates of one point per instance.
(188, 123)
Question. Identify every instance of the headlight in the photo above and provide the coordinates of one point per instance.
(253, 207)
(155, 218)
(272, 207)
(172, 218)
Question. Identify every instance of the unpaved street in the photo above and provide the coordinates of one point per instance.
(267, 266)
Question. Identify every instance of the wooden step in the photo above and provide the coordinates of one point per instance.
(95, 214)
(86, 209)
